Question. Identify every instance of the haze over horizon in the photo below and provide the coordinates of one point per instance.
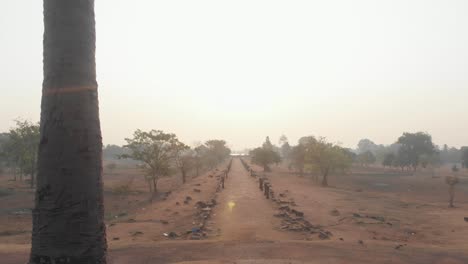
(244, 70)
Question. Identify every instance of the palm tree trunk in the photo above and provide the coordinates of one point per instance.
(68, 217)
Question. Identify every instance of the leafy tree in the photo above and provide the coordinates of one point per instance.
(283, 139)
(265, 155)
(297, 158)
(183, 158)
(366, 158)
(402, 160)
(366, 145)
(285, 150)
(267, 144)
(326, 157)
(217, 152)
(351, 154)
(200, 154)
(388, 160)
(413, 145)
(112, 152)
(155, 149)
(450, 154)
(464, 158)
(306, 140)
(20, 148)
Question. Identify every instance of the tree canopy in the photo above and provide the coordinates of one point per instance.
(413, 146)
(265, 155)
(326, 157)
(155, 149)
(19, 148)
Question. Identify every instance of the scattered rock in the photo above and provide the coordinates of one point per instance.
(399, 246)
(341, 239)
(281, 214)
(171, 235)
(164, 222)
(335, 212)
(197, 190)
(324, 235)
(201, 204)
(177, 203)
(378, 218)
(116, 238)
(297, 213)
(361, 242)
(188, 198)
(136, 233)
(466, 219)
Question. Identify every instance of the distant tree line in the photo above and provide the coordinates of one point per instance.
(410, 151)
(317, 156)
(310, 154)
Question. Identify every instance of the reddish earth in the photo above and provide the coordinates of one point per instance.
(374, 216)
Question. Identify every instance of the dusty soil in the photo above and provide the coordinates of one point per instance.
(373, 216)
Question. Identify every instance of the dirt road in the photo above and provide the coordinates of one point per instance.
(243, 213)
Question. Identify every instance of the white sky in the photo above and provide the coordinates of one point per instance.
(242, 70)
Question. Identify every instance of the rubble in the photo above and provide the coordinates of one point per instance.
(335, 212)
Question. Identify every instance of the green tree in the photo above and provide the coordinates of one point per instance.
(413, 145)
(285, 150)
(155, 149)
(388, 160)
(365, 145)
(200, 154)
(265, 155)
(183, 158)
(283, 139)
(326, 158)
(68, 215)
(216, 152)
(366, 158)
(464, 158)
(298, 152)
(4, 138)
(24, 143)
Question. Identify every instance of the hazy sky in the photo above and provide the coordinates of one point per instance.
(242, 70)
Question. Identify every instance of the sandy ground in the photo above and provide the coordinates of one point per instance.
(373, 217)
